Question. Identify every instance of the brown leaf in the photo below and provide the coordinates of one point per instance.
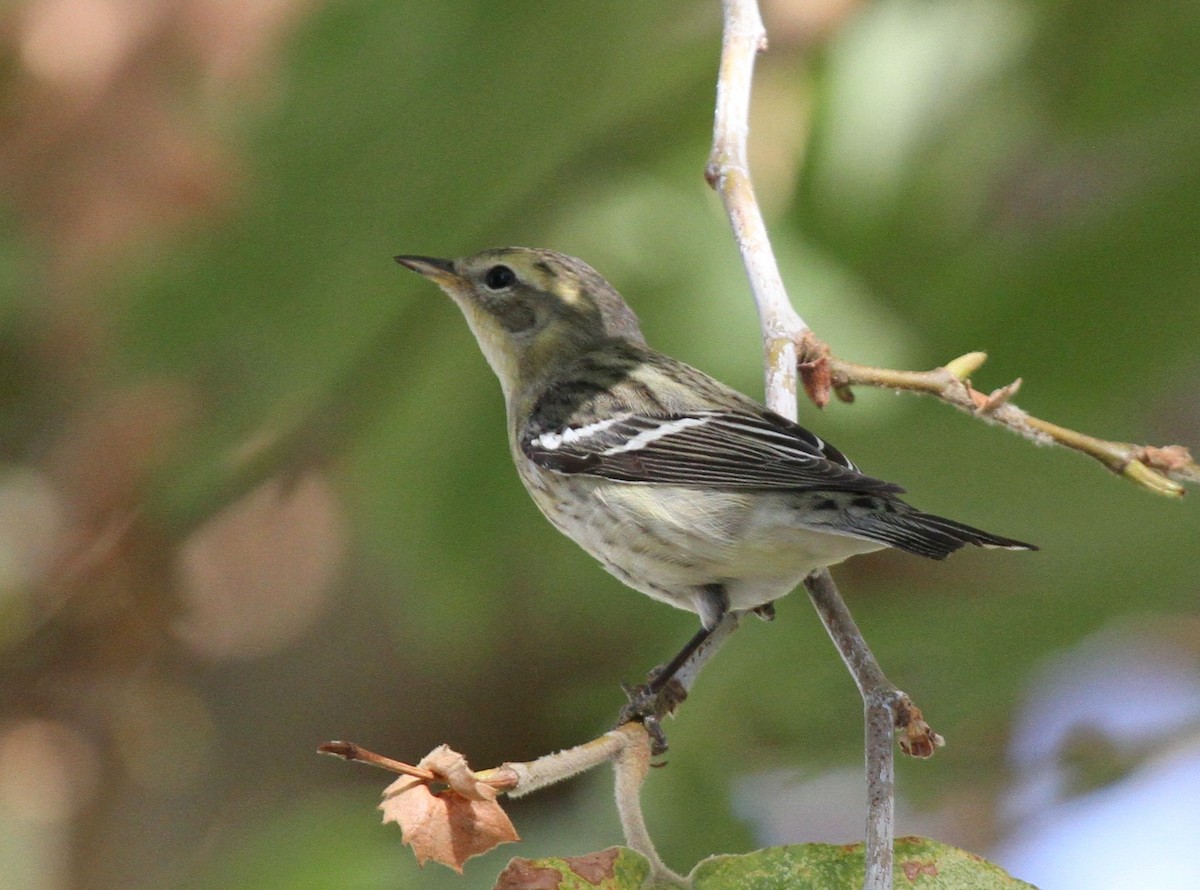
(451, 767)
(451, 826)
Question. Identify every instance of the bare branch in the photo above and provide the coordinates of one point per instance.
(631, 766)
(534, 775)
(358, 754)
(627, 747)
(791, 348)
(1161, 470)
(789, 342)
(789, 345)
(728, 172)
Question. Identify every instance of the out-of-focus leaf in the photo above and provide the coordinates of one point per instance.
(919, 862)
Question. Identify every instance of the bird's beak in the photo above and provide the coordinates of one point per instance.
(437, 270)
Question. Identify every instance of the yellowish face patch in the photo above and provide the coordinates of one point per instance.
(570, 292)
(544, 277)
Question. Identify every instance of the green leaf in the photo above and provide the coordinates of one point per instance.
(919, 863)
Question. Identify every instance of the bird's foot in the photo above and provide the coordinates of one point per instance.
(649, 702)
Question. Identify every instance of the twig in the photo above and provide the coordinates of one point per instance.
(788, 344)
(728, 172)
(628, 747)
(534, 775)
(358, 754)
(878, 695)
(885, 708)
(1161, 470)
(631, 766)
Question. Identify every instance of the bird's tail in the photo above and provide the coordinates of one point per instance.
(928, 535)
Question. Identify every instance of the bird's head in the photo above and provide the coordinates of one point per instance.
(531, 310)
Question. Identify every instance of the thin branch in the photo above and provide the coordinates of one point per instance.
(549, 769)
(631, 766)
(885, 709)
(728, 172)
(879, 716)
(627, 747)
(788, 344)
(1162, 470)
(358, 754)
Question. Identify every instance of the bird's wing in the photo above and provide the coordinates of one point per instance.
(728, 449)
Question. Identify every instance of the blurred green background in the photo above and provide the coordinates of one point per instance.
(255, 492)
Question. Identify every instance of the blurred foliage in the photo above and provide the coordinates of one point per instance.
(198, 292)
(919, 863)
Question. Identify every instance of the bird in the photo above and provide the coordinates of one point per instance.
(682, 487)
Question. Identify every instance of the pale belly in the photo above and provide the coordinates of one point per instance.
(672, 542)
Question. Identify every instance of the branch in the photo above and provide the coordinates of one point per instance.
(1161, 470)
(462, 819)
(728, 172)
(790, 343)
(784, 336)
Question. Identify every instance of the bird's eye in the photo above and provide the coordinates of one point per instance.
(499, 277)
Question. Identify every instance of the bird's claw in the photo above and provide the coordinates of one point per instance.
(649, 702)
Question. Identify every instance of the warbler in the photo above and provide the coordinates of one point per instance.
(683, 488)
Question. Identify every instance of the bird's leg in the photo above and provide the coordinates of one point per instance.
(667, 685)
(661, 694)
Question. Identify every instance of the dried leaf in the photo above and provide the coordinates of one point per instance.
(451, 767)
(452, 825)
